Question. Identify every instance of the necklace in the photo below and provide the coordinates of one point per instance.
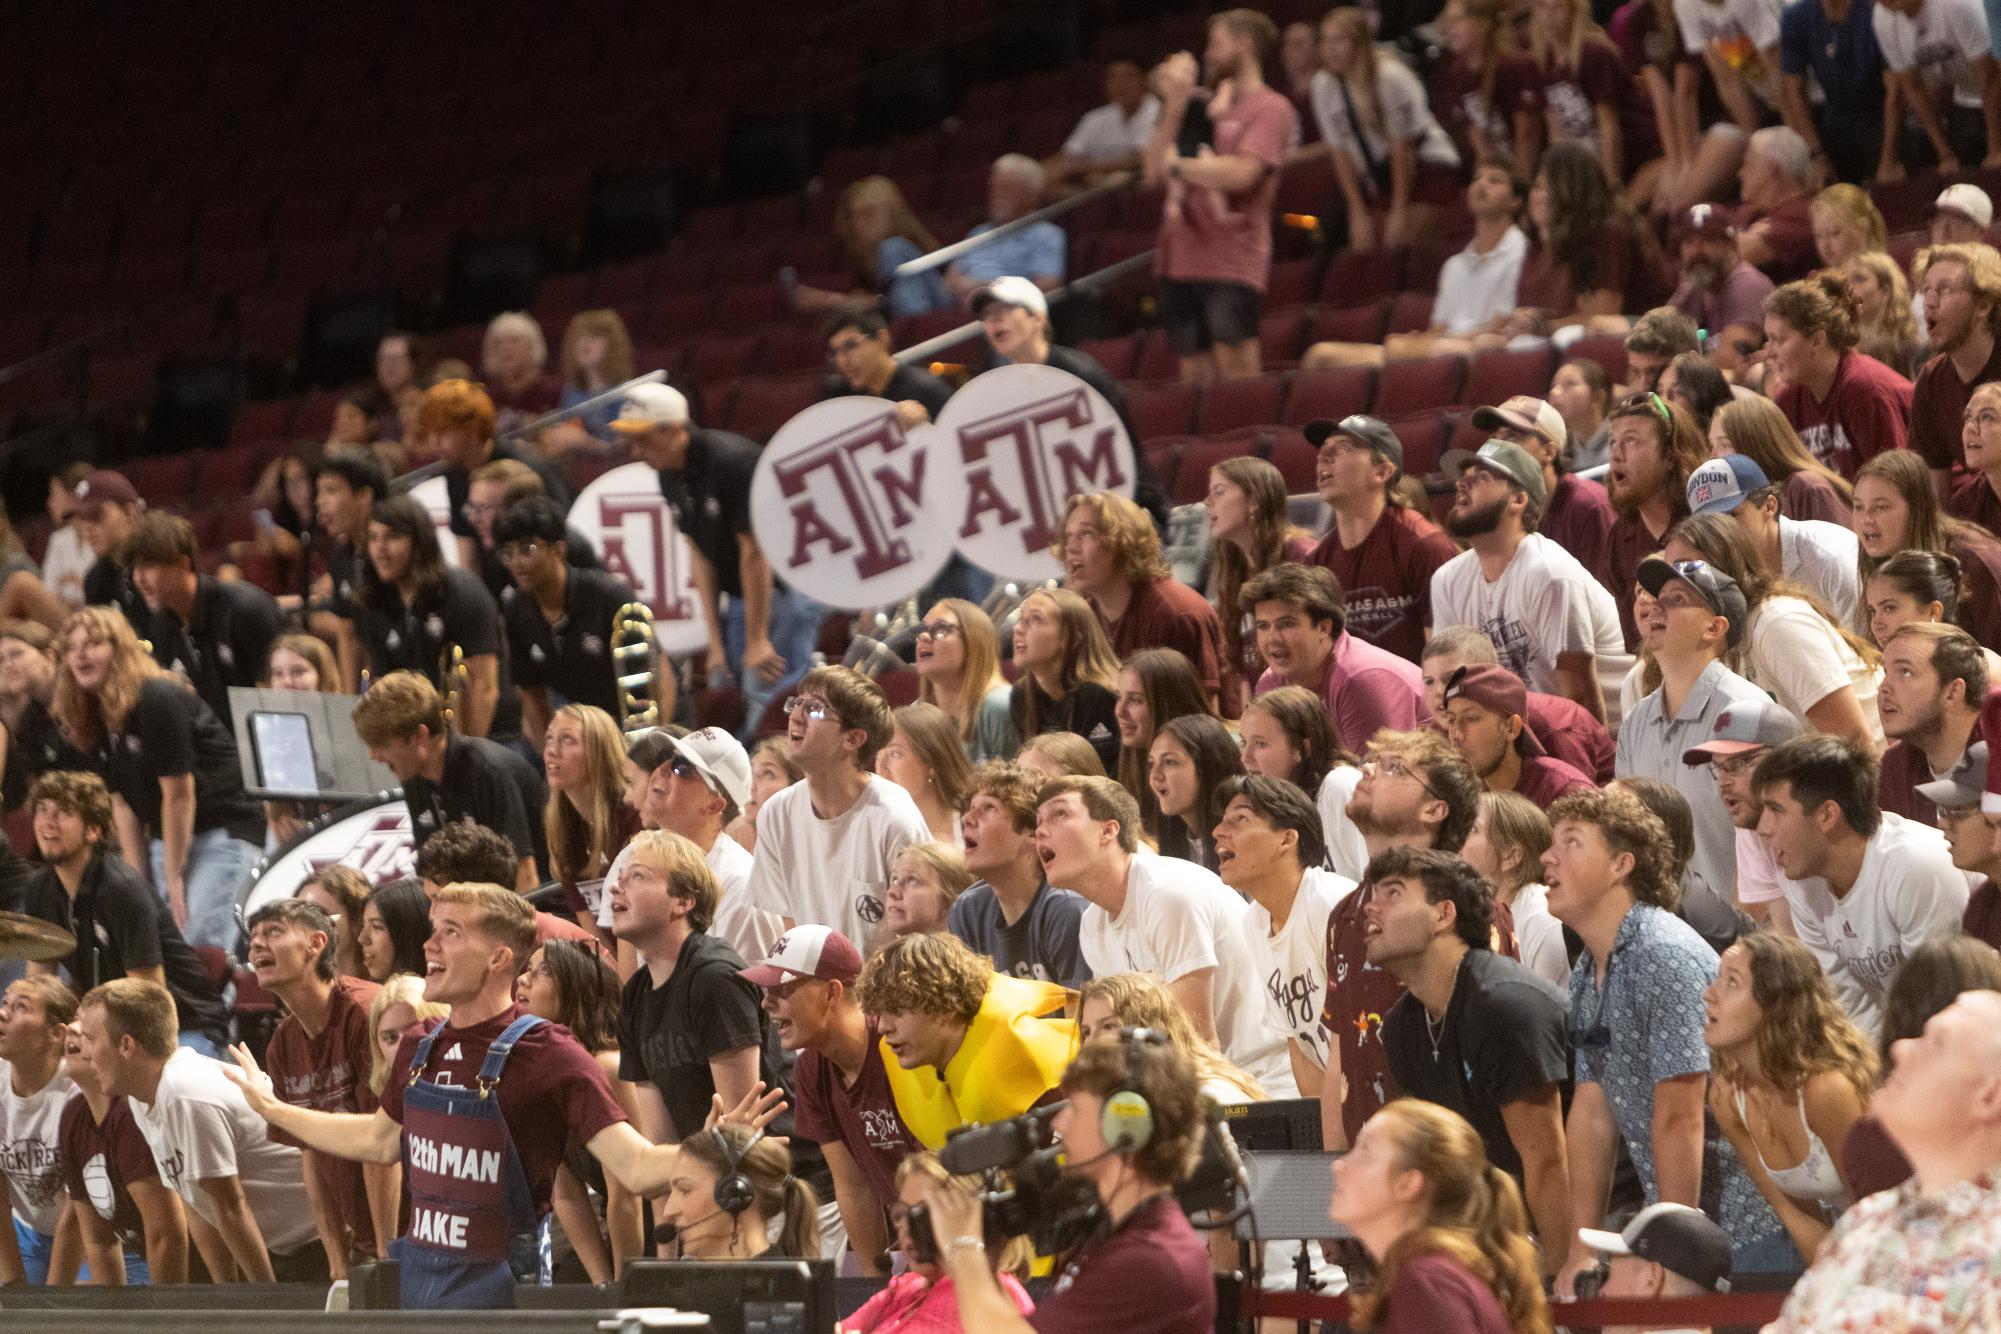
(1436, 1030)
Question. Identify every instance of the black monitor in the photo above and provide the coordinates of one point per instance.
(739, 1296)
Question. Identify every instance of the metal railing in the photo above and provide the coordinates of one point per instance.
(930, 347)
(425, 472)
(945, 254)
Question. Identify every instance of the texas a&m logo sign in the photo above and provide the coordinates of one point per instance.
(375, 840)
(624, 515)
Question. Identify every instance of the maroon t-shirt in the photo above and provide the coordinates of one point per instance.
(101, 1161)
(551, 1090)
(1435, 1292)
(1545, 778)
(1867, 410)
(1169, 614)
(1359, 994)
(625, 824)
(1904, 766)
(1600, 78)
(1871, 1160)
(1461, 104)
(329, 1073)
(1980, 577)
(1568, 732)
(1808, 495)
(1938, 404)
(1789, 234)
(1976, 502)
(1982, 919)
(1150, 1275)
(1579, 519)
(1387, 579)
(534, 398)
(1627, 262)
(862, 1119)
(1629, 543)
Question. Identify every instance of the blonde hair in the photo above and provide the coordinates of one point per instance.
(1893, 335)
(617, 367)
(1141, 1000)
(685, 868)
(498, 912)
(312, 649)
(935, 737)
(1362, 78)
(902, 220)
(397, 989)
(89, 715)
(1553, 52)
(1759, 430)
(1851, 206)
(1983, 273)
(767, 1165)
(1074, 755)
(979, 673)
(945, 863)
(581, 837)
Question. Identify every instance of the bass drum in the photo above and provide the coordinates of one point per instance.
(372, 836)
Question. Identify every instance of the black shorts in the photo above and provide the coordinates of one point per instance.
(1200, 313)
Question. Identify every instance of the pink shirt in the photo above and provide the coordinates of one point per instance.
(911, 1304)
(1208, 235)
(1367, 689)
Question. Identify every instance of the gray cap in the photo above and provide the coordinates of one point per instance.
(1371, 431)
(1506, 460)
(1747, 725)
(1718, 589)
(1964, 785)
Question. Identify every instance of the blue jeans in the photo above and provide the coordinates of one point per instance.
(217, 870)
(38, 1248)
(1774, 1254)
(203, 1044)
(795, 630)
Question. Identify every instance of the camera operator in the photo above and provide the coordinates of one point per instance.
(1145, 1271)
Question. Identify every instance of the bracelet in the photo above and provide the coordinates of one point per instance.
(957, 1244)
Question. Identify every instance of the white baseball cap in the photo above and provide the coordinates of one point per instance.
(723, 762)
(1525, 413)
(1012, 292)
(1969, 201)
(650, 406)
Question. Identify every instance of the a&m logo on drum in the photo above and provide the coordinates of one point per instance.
(840, 505)
(626, 517)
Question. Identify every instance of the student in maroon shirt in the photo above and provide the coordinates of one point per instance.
(114, 1187)
(1419, 1174)
(320, 1057)
(1484, 719)
(1897, 509)
(1847, 406)
(1383, 553)
(1145, 1271)
(1589, 256)
(1589, 98)
(1655, 446)
(1957, 798)
(1578, 515)
(1934, 682)
(1110, 553)
(1775, 226)
(1961, 287)
(1978, 499)
(1562, 727)
(1484, 91)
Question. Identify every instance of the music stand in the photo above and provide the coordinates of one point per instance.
(300, 745)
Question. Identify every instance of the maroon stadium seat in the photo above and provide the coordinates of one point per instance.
(1423, 436)
(1191, 482)
(1330, 394)
(1360, 323)
(1504, 372)
(765, 403)
(1608, 350)
(1405, 387)
(1161, 409)
(1361, 275)
(1410, 312)
(1229, 405)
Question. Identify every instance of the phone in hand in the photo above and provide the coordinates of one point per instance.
(263, 519)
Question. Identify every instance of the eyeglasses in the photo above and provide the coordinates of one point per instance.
(816, 710)
(1732, 765)
(1940, 291)
(1394, 766)
(937, 630)
(845, 346)
(514, 551)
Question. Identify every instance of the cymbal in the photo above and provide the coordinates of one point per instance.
(31, 938)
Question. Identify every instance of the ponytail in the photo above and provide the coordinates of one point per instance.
(801, 1234)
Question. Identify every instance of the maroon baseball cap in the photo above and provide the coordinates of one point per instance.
(807, 950)
(102, 488)
(1499, 691)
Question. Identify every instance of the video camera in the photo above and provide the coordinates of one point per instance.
(1027, 1191)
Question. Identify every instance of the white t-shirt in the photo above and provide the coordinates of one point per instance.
(30, 1147)
(750, 931)
(65, 562)
(1473, 289)
(1758, 878)
(1540, 935)
(833, 872)
(200, 1128)
(1940, 44)
(1736, 32)
(1908, 892)
(1822, 556)
(1544, 604)
(1103, 133)
(1293, 963)
(1347, 850)
(1179, 918)
(1405, 114)
(1791, 651)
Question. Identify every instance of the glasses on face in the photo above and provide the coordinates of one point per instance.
(844, 347)
(815, 710)
(473, 507)
(1394, 766)
(514, 551)
(1732, 765)
(937, 630)
(1940, 291)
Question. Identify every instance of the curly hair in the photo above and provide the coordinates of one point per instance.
(75, 792)
(1126, 532)
(1627, 826)
(456, 405)
(1821, 304)
(1446, 877)
(1016, 789)
(1142, 1000)
(88, 716)
(1802, 1029)
(1445, 772)
(1983, 274)
(404, 516)
(931, 973)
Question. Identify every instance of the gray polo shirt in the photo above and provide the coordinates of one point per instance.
(1651, 746)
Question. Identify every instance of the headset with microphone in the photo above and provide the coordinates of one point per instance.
(734, 1191)
(1126, 1123)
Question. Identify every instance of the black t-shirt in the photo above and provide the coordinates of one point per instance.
(108, 584)
(1088, 710)
(343, 561)
(120, 924)
(36, 745)
(413, 637)
(458, 482)
(574, 655)
(488, 784)
(172, 731)
(904, 382)
(710, 500)
(1505, 1034)
(223, 642)
(578, 554)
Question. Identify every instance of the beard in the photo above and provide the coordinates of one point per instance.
(1629, 498)
(1476, 523)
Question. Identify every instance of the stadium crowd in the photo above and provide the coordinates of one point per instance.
(1608, 845)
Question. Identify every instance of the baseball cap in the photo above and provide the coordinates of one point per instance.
(1748, 724)
(721, 759)
(1720, 485)
(1679, 1239)
(649, 406)
(1708, 220)
(1504, 458)
(807, 950)
(1371, 431)
(1969, 201)
(1011, 292)
(1718, 589)
(1524, 413)
(102, 488)
(1964, 785)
